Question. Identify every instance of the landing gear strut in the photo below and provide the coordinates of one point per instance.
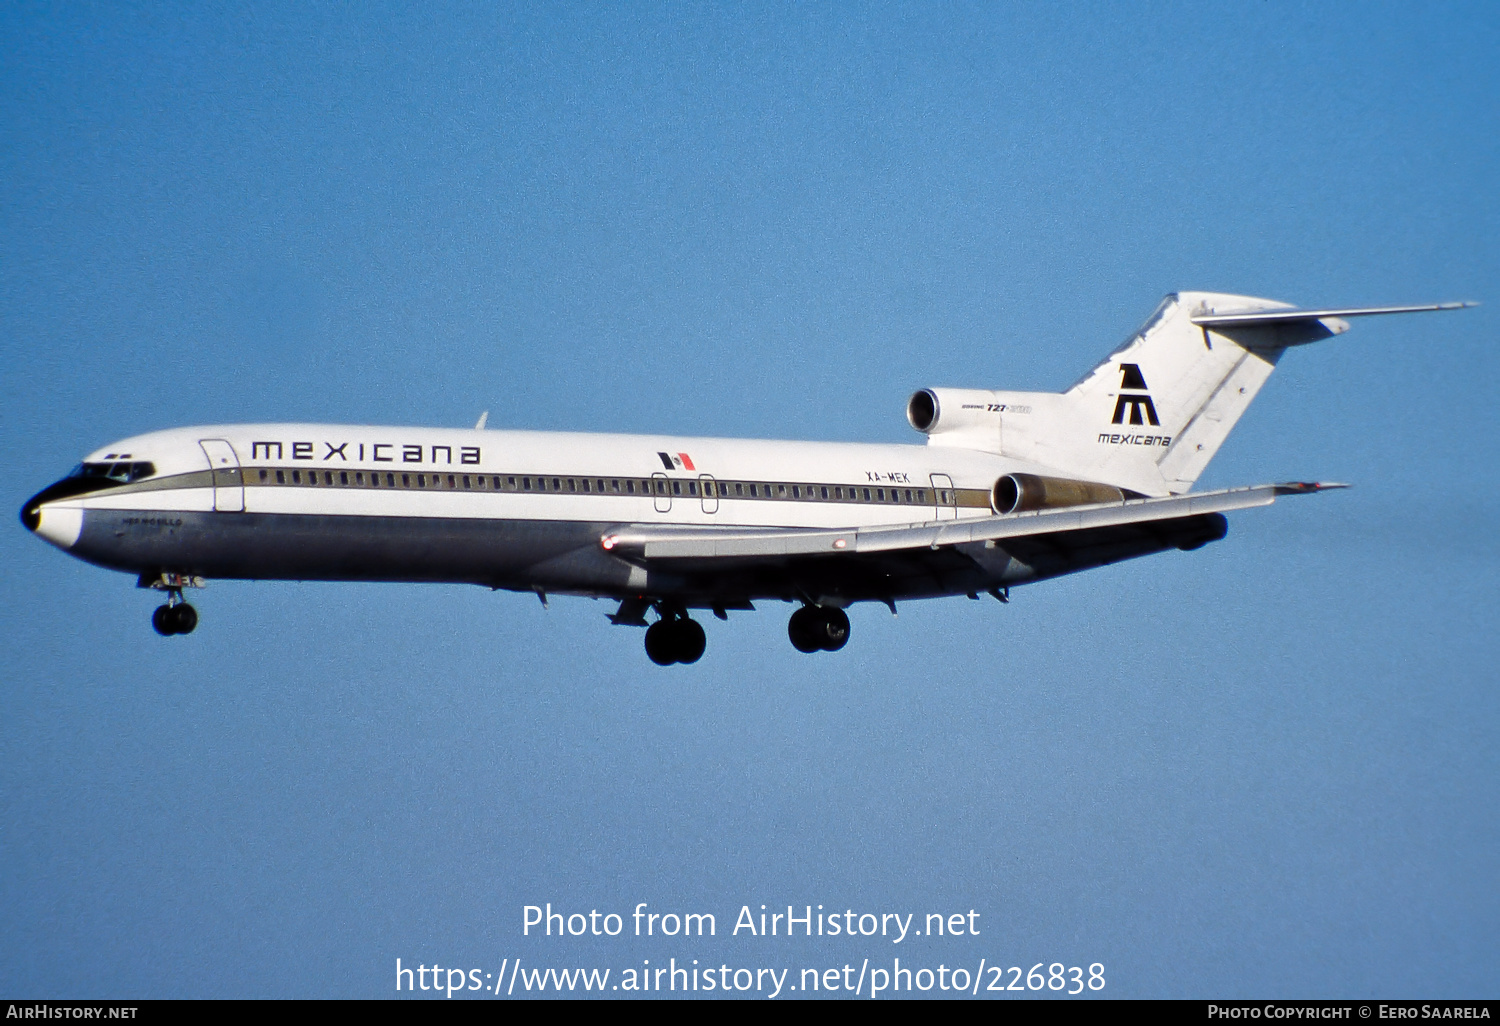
(675, 639)
(818, 628)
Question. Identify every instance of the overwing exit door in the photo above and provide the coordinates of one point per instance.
(944, 497)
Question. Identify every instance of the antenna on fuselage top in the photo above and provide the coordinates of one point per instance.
(479, 424)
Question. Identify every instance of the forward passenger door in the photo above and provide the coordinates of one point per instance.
(229, 487)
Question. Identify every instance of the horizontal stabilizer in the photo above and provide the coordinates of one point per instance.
(1248, 317)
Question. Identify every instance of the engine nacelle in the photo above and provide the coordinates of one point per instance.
(960, 416)
(1016, 493)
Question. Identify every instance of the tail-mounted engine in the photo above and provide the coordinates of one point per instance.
(966, 417)
(1016, 493)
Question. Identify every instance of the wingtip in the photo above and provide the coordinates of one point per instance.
(1307, 487)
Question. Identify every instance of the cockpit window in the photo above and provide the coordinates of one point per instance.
(120, 472)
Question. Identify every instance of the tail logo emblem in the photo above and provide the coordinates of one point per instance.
(1140, 405)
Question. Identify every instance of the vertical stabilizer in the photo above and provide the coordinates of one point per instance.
(1159, 406)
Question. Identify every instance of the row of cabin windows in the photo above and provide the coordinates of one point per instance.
(691, 488)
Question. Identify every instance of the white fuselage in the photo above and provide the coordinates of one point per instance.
(709, 482)
(507, 509)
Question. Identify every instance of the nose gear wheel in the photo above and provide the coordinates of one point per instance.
(180, 618)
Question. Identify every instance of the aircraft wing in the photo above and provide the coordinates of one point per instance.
(702, 547)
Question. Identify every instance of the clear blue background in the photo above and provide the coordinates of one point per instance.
(1265, 769)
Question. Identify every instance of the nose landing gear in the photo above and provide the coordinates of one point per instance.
(675, 639)
(176, 616)
(818, 629)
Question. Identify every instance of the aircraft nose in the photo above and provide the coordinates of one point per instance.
(57, 524)
(31, 513)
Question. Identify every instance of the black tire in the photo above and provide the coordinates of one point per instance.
(803, 629)
(163, 621)
(691, 641)
(184, 618)
(833, 629)
(661, 643)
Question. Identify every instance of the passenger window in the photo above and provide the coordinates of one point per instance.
(880, 495)
(676, 487)
(390, 480)
(343, 477)
(692, 487)
(405, 480)
(630, 487)
(614, 485)
(781, 491)
(296, 477)
(600, 484)
(280, 477)
(572, 485)
(824, 492)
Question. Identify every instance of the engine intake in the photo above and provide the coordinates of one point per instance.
(922, 410)
(1016, 493)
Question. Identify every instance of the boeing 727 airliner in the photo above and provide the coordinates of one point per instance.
(1011, 487)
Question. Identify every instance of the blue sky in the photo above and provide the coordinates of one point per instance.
(1267, 768)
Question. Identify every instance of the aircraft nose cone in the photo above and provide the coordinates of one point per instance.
(43, 516)
(31, 513)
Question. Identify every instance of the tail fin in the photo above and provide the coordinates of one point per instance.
(1151, 416)
(1164, 401)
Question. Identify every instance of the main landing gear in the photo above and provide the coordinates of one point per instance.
(818, 629)
(675, 639)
